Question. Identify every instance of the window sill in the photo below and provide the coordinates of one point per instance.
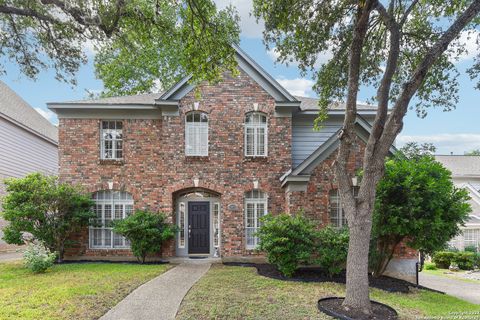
(197, 158)
(255, 158)
(112, 162)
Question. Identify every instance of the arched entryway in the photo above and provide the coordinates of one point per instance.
(198, 215)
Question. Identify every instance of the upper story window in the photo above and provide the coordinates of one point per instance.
(111, 136)
(255, 208)
(335, 211)
(196, 134)
(109, 206)
(256, 139)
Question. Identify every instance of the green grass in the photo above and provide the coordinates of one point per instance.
(69, 291)
(240, 293)
(441, 273)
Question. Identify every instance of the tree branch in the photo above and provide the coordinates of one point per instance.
(395, 121)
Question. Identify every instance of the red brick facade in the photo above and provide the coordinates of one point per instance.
(155, 167)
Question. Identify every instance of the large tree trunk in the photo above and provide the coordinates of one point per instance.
(357, 295)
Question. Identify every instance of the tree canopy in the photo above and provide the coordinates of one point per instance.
(141, 44)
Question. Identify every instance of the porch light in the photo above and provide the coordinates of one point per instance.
(355, 181)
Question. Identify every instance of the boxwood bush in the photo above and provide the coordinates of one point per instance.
(464, 259)
(287, 240)
(332, 249)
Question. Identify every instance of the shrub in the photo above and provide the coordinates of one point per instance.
(470, 249)
(146, 232)
(332, 249)
(443, 259)
(37, 258)
(430, 266)
(44, 209)
(465, 260)
(287, 240)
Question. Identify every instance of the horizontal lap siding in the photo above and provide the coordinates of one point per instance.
(22, 152)
(305, 139)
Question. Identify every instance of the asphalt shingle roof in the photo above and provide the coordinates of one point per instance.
(311, 104)
(14, 107)
(461, 165)
(147, 99)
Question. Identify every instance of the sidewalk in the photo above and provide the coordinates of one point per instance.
(161, 297)
(461, 289)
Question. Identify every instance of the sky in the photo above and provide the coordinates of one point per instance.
(454, 132)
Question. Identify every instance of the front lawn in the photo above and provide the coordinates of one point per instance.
(240, 293)
(69, 291)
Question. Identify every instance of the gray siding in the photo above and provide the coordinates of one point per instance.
(22, 152)
(305, 140)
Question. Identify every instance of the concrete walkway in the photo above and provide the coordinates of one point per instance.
(159, 298)
(468, 291)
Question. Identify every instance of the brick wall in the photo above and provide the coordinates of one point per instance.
(155, 166)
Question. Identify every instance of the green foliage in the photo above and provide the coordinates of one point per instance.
(38, 259)
(138, 42)
(146, 232)
(332, 249)
(474, 152)
(464, 259)
(308, 33)
(416, 202)
(470, 249)
(443, 259)
(430, 266)
(42, 208)
(287, 240)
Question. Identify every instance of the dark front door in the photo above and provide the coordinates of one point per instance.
(199, 227)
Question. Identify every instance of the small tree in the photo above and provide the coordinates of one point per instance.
(146, 232)
(287, 240)
(46, 209)
(416, 203)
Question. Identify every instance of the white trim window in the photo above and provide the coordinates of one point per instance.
(255, 208)
(109, 206)
(196, 134)
(471, 238)
(336, 213)
(181, 225)
(256, 135)
(111, 140)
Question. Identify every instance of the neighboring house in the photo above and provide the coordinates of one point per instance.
(28, 141)
(216, 165)
(466, 174)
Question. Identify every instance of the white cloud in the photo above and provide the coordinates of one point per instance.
(322, 58)
(248, 23)
(468, 40)
(446, 143)
(47, 114)
(297, 86)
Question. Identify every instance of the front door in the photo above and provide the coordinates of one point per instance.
(199, 227)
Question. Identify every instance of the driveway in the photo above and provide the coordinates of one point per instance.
(461, 289)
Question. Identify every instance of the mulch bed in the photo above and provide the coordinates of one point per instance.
(333, 307)
(318, 275)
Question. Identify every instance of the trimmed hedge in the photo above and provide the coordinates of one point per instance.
(465, 260)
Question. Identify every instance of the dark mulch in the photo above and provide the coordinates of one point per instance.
(110, 262)
(311, 274)
(333, 307)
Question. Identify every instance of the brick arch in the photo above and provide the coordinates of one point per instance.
(184, 186)
(103, 186)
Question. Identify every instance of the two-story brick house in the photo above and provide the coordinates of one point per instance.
(215, 164)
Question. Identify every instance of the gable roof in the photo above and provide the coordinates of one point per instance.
(460, 165)
(18, 111)
(249, 66)
(302, 172)
(137, 99)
